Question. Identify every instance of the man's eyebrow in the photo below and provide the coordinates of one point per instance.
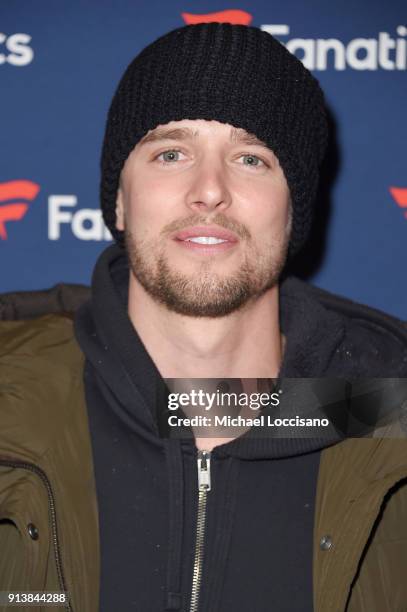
(242, 137)
(168, 134)
(237, 135)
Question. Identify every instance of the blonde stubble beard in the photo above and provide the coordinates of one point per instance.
(206, 293)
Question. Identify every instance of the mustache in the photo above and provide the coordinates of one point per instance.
(219, 219)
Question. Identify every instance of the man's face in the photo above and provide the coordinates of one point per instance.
(194, 174)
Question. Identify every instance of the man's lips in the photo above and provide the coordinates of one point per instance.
(184, 239)
(206, 230)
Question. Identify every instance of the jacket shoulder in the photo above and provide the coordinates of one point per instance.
(41, 322)
(47, 337)
(41, 382)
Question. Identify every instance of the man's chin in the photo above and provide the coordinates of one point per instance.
(198, 308)
(208, 296)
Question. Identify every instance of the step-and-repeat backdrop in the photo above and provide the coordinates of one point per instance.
(60, 63)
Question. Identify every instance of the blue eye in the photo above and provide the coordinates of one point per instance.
(169, 152)
(253, 157)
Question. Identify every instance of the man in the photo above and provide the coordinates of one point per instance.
(209, 172)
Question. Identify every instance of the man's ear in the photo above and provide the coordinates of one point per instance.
(119, 210)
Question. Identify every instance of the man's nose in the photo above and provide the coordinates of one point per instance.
(209, 189)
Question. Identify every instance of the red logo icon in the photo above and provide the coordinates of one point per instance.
(400, 197)
(235, 16)
(15, 211)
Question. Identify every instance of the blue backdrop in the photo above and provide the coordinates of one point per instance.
(60, 64)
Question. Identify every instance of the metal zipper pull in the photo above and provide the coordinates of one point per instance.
(204, 486)
(204, 470)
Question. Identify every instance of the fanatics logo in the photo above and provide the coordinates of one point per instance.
(15, 210)
(85, 223)
(386, 51)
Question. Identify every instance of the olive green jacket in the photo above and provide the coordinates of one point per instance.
(49, 538)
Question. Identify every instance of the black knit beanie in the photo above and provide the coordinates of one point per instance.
(233, 74)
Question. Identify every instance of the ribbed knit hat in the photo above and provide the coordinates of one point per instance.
(233, 74)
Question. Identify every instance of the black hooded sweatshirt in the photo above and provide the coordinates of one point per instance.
(258, 540)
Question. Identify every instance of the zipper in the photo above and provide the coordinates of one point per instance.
(51, 501)
(204, 486)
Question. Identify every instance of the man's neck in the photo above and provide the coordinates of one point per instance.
(246, 344)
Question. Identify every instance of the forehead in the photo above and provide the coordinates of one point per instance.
(200, 129)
